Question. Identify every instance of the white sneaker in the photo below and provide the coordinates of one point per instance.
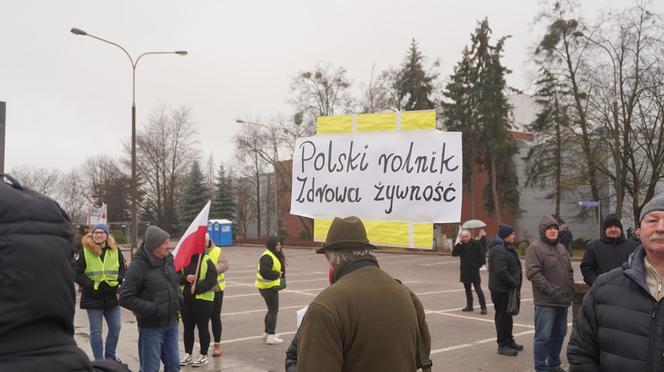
(186, 360)
(273, 340)
(264, 335)
(202, 359)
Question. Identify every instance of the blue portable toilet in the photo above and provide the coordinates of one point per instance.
(221, 232)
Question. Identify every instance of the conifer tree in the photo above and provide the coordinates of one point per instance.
(223, 196)
(194, 195)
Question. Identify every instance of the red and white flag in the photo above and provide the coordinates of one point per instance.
(193, 240)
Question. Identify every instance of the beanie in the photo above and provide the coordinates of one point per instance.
(655, 204)
(154, 237)
(611, 220)
(504, 230)
(100, 226)
(271, 242)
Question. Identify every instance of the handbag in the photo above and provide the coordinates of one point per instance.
(514, 302)
(282, 284)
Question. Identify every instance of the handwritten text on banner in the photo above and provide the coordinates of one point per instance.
(414, 176)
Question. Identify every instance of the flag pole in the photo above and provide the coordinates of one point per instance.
(198, 265)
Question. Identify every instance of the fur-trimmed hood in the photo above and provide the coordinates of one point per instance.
(93, 247)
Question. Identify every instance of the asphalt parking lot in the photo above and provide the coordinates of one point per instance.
(461, 341)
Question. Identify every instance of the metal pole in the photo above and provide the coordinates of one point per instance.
(599, 223)
(276, 190)
(3, 108)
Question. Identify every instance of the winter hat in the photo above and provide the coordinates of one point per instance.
(271, 242)
(612, 220)
(154, 237)
(100, 226)
(504, 230)
(655, 204)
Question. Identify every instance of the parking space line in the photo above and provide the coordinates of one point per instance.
(288, 275)
(474, 343)
(439, 263)
(260, 310)
(438, 292)
(253, 337)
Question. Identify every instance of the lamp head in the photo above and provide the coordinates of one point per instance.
(78, 31)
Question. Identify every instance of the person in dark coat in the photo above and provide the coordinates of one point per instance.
(37, 289)
(505, 275)
(150, 289)
(636, 235)
(565, 237)
(472, 258)
(620, 326)
(608, 252)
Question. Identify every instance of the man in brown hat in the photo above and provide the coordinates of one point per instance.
(365, 320)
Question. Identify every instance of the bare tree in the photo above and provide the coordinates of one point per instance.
(42, 180)
(375, 94)
(72, 196)
(165, 149)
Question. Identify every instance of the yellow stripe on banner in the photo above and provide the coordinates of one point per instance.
(334, 124)
(385, 233)
(377, 122)
(415, 120)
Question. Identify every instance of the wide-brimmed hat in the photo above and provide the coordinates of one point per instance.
(345, 233)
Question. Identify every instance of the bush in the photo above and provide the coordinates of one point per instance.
(119, 236)
(521, 248)
(580, 244)
(304, 235)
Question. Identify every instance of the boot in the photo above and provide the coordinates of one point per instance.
(515, 346)
(506, 350)
(216, 352)
(483, 311)
(467, 308)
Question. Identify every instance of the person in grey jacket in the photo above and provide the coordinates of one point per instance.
(550, 271)
(150, 289)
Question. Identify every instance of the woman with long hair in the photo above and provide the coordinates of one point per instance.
(270, 278)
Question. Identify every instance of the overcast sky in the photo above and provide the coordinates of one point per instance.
(69, 97)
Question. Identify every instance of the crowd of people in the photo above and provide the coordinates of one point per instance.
(620, 326)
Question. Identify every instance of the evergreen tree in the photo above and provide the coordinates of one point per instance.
(479, 108)
(415, 83)
(194, 195)
(223, 196)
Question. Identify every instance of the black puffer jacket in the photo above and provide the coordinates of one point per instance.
(504, 267)
(605, 254)
(150, 289)
(620, 326)
(36, 284)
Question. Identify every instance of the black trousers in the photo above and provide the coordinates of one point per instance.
(503, 319)
(469, 294)
(216, 315)
(196, 313)
(271, 297)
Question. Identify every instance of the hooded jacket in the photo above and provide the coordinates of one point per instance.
(105, 296)
(365, 321)
(150, 289)
(37, 296)
(620, 326)
(549, 269)
(605, 254)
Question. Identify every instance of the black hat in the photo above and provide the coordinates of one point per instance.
(504, 230)
(612, 220)
(346, 233)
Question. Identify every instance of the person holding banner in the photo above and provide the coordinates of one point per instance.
(197, 281)
(150, 289)
(221, 264)
(270, 278)
(100, 268)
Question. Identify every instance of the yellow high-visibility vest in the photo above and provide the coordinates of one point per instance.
(209, 295)
(102, 271)
(262, 283)
(214, 254)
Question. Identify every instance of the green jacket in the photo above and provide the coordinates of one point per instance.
(366, 321)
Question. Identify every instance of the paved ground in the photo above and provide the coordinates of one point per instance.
(460, 341)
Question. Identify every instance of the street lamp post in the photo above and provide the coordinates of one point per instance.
(274, 162)
(134, 63)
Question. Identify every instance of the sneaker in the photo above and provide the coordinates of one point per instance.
(216, 352)
(483, 311)
(515, 346)
(202, 359)
(467, 309)
(273, 340)
(186, 360)
(264, 335)
(506, 350)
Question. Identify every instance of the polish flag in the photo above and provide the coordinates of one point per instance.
(193, 240)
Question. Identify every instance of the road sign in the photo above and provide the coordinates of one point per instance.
(589, 203)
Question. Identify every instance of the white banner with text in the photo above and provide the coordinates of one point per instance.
(413, 176)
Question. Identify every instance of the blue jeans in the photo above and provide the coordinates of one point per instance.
(159, 344)
(114, 323)
(550, 330)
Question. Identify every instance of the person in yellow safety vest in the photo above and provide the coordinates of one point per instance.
(221, 264)
(270, 278)
(100, 268)
(197, 306)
